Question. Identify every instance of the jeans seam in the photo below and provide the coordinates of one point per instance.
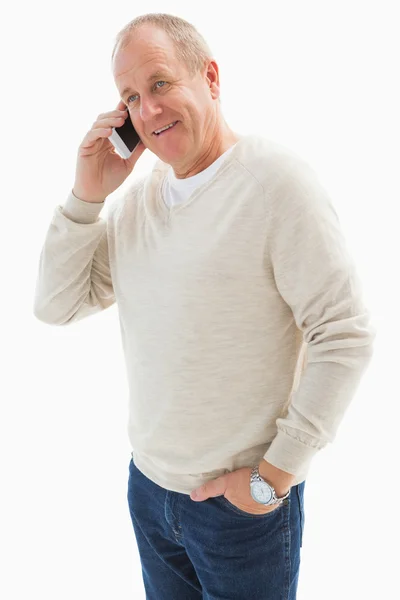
(301, 516)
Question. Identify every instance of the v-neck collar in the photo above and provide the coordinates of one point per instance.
(162, 168)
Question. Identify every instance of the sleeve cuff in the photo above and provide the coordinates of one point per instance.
(80, 211)
(290, 454)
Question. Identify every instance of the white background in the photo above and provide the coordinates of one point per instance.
(319, 77)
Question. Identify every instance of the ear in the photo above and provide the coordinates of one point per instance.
(212, 77)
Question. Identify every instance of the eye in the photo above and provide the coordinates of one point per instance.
(134, 95)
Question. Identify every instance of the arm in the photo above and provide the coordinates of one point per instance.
(74, 279)
(316, 277)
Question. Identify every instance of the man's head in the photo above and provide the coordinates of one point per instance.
(185, 89)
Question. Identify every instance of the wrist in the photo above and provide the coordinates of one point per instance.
(280, 480)
(81, 196)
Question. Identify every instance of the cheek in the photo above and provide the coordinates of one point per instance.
(137, 124)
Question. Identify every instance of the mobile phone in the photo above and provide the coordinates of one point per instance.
(125, 138)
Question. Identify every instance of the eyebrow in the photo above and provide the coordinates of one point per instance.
(156, 75)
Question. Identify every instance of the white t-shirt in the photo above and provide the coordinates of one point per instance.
(176, 191)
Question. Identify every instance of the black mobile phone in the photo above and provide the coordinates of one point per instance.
(125, 138)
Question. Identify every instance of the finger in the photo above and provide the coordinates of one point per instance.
(111, 121)
(210, 489)
(112, 113)
(121, 105)
(94, 135)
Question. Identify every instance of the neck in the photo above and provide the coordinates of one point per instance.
(221, 142)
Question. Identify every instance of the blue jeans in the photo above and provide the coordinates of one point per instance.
(212, 550)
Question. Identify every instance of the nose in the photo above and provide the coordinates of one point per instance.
(149, 108)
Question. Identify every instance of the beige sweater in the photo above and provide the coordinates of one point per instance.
(242, 319)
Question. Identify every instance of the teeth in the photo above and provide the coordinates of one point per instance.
(166, 127)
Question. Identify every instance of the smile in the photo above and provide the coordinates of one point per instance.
(163, 129)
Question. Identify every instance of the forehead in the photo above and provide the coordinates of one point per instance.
(150, 48)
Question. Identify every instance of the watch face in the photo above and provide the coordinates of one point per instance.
(261, 491)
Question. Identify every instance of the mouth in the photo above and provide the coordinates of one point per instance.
(164, 131)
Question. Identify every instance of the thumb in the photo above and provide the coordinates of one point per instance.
(215, 487)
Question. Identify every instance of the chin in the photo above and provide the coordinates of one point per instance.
(173, 152)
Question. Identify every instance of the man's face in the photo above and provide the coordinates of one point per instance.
(173, 95)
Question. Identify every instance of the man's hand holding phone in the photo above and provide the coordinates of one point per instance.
(99, 169)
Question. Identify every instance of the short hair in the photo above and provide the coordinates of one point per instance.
(190, 46)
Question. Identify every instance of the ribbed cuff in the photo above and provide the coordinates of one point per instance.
(80, 211)
(290, 455)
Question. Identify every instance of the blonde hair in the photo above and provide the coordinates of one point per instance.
(190, 46)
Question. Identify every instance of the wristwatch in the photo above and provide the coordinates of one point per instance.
(261, 491)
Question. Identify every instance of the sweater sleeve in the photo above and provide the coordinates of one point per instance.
(74, 279)
(316, 277)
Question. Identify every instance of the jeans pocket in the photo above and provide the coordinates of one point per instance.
(268, 515)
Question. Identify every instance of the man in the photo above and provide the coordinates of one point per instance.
(241, 314)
